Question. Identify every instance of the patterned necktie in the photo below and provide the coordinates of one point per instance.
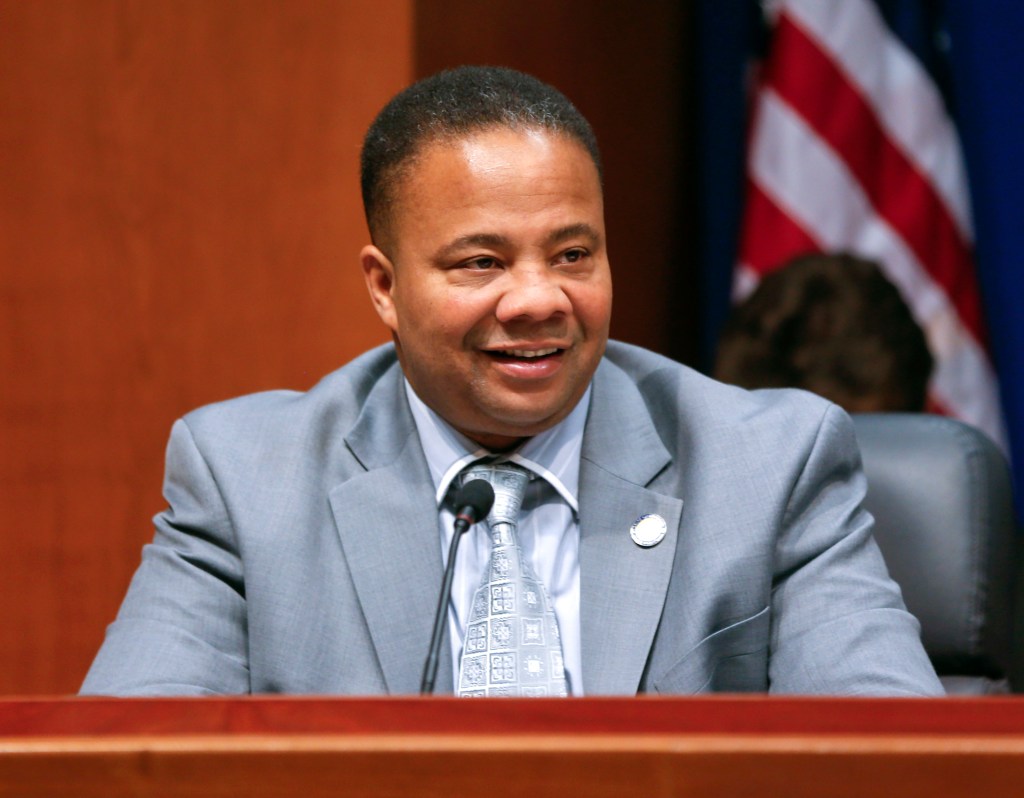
(512, 646)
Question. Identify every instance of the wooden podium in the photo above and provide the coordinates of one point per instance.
(709, 746)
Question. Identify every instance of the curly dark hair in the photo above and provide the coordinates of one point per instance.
(452, 104)
(832, 324)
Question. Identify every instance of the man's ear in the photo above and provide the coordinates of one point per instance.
(379, 273)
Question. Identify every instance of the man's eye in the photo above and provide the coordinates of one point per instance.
(480, 264)
(574, 255)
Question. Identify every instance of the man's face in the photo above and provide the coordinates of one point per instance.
(496, 285)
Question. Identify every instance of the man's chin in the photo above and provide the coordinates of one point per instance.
(511, 425)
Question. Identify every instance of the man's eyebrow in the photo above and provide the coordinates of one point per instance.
(582, 229)
(492, 240)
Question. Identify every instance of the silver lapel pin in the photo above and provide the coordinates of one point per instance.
(648, 530)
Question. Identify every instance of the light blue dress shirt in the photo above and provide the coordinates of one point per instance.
(549, 531)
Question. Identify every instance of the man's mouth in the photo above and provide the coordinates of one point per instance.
(525, 354)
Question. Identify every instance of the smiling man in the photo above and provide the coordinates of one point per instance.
(496, 280)
(654, 530)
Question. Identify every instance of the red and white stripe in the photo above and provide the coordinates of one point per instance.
(852, 149)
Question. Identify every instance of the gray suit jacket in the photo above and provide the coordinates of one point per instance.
(300, 551)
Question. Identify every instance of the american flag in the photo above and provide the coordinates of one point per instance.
(852, 149)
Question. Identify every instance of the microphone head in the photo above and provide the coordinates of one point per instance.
(474, 500)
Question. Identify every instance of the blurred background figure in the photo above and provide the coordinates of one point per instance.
(832, 324)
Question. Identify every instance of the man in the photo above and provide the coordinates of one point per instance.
(689, 536)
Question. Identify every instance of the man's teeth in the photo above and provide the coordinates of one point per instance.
(529, 352)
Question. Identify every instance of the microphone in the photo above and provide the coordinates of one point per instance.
(472, 503)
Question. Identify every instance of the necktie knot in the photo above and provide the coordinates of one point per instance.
(509, 482)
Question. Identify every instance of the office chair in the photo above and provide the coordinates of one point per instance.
(940, 494)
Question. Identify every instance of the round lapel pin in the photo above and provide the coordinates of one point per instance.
(648, 530)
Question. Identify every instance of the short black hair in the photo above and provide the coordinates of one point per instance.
(452, 104)
(832, 324)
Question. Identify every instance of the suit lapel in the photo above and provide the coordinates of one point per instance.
(387, 522)
(622, 585)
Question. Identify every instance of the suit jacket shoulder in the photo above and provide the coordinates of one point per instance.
(331, 406)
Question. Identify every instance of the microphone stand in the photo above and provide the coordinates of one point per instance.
(430, 667)
(474, 502)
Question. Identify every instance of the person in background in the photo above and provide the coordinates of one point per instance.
(832, 324)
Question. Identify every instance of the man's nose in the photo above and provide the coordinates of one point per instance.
(532, 292)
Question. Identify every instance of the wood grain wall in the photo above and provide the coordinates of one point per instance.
(180, 223)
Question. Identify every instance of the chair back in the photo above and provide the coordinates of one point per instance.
(941, 496)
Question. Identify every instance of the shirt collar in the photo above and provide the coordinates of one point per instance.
(553, 455)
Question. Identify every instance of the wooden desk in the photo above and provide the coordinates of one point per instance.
(710, 746)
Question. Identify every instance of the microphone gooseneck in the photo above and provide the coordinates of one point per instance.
(472, 503)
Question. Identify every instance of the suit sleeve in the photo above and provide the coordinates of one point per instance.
(839, 625)
(181, 629)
